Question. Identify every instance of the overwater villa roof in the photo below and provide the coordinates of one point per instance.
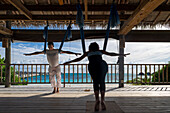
(27, 13)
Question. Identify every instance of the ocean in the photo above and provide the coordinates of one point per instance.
(70, 77)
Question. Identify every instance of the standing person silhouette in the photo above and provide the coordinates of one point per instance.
(97, 68)
(54, 67)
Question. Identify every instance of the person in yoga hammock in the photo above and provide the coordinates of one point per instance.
(97, 68)
(54, 67)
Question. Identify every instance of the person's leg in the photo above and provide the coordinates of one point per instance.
(96, 93)
(93, 74)
(54, 91)
(58, 75)
(102, 89)
(52, 80)
(103, 100)
(96, 108)
(102, 84)
(96, 90)
(58, 82)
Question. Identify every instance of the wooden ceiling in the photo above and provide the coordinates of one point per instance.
(26, 13)
(36, 12)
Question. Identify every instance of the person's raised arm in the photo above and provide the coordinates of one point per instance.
(35, 53)
(69, 52)
(77, 59)
(113, 54)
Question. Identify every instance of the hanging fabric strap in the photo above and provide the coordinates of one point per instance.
(79, 17)
(68, 35)
(80, 22)
(82, 39)
(45, 36)
(113, 21)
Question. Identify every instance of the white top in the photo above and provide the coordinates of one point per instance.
(94, 53)
(52, 57)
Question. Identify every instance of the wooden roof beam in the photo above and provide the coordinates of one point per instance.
(57, 17)
(141, 12)
(57, 35)
(167, 19)
(72, 7)
(60, 2)
(5, 31)
(21, 7)
(156, 18)
(86, 9)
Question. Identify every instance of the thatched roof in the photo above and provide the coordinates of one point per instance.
(97, 12)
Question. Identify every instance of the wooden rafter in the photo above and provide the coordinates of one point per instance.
(142, 11)
(68, 1)
(168, 2)
(57, 35)
(60, 2)
(5, 31)
(72, 7)
(156, 18)
(167, 19)
(57, 17)
(86, 9)
(49, 2)
(21, 7)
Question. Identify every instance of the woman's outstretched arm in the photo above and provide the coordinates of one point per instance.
(69, 52)
(77, 59)
(113, 54)
(35, 53)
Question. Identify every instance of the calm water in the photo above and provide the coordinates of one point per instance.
(77, 78)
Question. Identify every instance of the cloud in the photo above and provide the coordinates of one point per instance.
(139, 52)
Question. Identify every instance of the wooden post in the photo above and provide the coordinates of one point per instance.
(7, 65)
(5, 42)
(121, 59)
(8, 58)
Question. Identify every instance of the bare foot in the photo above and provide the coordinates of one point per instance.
(57, 90)
(103, 105)
(54, 91)
(96, 108)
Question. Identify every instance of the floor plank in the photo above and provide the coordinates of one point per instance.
(73, 99)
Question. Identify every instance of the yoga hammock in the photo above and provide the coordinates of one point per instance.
(68, 34)
(113, 21)
(45, 36)
(80, 22)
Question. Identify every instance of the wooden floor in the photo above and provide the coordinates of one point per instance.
(73, 99)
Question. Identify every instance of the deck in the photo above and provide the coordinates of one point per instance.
(73, 98)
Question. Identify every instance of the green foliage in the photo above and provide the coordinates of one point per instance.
(162, 71)
(2, 68)
(145, 80)
(2, 61)
(140, 81)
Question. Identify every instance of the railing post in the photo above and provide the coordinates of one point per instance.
(64, 76)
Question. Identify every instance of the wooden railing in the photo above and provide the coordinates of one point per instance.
(147, 73)
(78, 74)
(73, 73)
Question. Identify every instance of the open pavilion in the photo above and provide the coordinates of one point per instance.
(59, 13)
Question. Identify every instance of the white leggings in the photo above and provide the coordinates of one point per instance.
(55, 73)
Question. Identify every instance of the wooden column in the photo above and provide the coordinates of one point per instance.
(121, 59)
(8, 58)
